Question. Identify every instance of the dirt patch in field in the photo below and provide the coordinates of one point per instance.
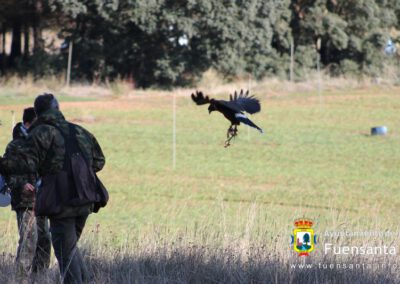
(84, 119)
(126, 103)
(13, 107)
(134, 102)
(104, 119)
(158, 101)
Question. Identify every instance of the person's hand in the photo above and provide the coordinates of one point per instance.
(28, 192)
(29, 187)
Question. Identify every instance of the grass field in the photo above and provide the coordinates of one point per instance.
(316, 160)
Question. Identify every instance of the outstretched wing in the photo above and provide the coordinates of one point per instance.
(200, 99)
(244, 102)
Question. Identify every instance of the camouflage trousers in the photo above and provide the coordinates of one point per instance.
(34, 245)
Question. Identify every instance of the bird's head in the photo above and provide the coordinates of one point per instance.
(211, 108)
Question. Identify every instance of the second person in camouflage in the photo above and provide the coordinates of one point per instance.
(34, 245)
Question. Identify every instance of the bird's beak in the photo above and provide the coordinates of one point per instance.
(209, 112)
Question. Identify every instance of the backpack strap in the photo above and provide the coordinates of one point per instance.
(71, 144)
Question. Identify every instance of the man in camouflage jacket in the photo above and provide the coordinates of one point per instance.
(34, 244)
(44, 153)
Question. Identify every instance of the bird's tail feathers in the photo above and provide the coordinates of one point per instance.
(244, 119)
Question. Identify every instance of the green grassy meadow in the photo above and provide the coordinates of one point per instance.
(316, 160)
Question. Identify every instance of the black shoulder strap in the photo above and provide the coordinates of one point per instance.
(71, 143)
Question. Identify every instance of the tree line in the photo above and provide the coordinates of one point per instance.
(168, 43)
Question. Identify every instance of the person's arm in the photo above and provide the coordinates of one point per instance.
(98, 157)
(21, 185)
(29, 154)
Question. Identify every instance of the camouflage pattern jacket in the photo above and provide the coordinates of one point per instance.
(44, 149)
(20, 198)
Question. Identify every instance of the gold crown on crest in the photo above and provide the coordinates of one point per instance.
(303, 223)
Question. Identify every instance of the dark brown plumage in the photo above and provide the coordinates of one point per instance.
(233, 110)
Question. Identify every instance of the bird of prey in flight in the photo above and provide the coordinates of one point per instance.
(233, 110)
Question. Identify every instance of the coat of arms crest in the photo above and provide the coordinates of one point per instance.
(303, 238)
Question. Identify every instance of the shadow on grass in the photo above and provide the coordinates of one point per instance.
(201, 265)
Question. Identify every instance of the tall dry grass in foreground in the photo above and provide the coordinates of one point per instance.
(174, 263)
(186, 258)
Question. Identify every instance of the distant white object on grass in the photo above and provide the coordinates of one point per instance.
(379, 130)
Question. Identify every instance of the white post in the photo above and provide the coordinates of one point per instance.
(291, 60)
(319, 70)
(69, 62)
(319, 78)
(174, 131)
(12, 122)
(248, 127)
